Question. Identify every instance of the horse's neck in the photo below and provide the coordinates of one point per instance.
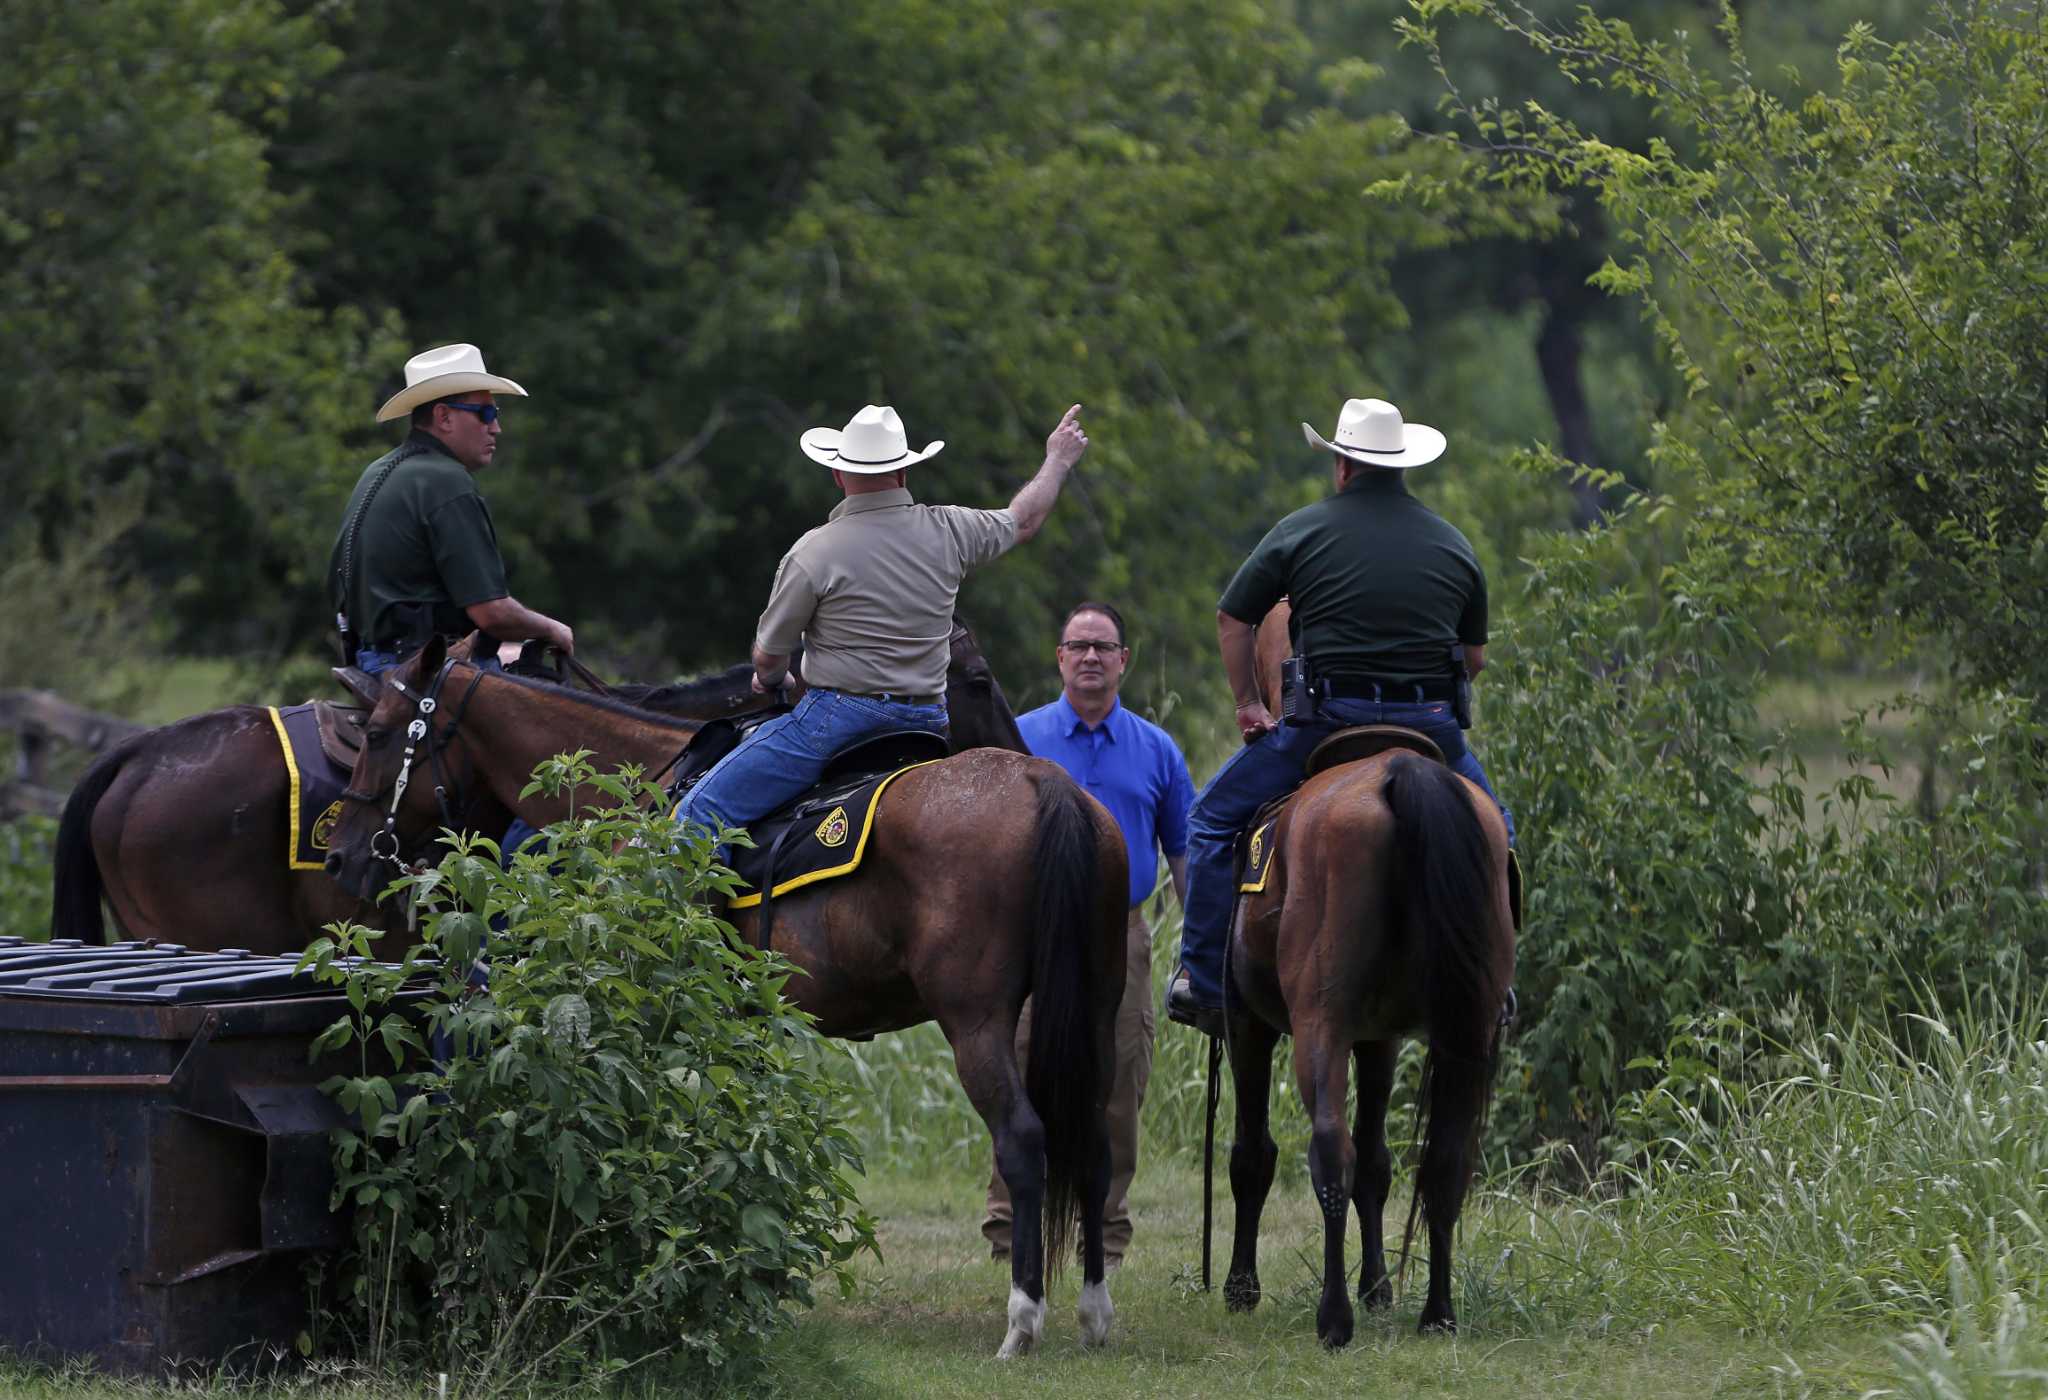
(526, 727)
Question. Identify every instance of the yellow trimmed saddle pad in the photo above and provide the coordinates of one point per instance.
(1257, 853)
(1258, 858)
(317, 785)
(822, 837)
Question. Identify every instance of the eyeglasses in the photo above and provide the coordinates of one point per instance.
(485, 412)
(1080, 648)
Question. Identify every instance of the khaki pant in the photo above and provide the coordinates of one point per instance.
(1134, 1030)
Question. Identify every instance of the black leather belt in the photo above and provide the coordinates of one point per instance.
(1389, 692)
(890, 697)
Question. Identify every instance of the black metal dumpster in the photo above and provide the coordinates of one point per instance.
(164, 1152)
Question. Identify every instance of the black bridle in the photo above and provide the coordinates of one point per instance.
(384, 843)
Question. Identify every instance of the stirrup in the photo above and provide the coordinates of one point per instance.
(1182, 1007)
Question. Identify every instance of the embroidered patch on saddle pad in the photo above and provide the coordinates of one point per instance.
(317, 786)
(822, 837)
(1258, 858)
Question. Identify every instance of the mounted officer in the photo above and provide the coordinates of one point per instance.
(417, 554)
(870, 595)
(1389, 620)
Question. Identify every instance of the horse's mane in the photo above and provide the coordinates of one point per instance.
(611, 703)
(718, 686)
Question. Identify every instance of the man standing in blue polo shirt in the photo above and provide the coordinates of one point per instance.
(1133, 768)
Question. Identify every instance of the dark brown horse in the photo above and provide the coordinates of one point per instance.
(1384, 913)
(182, 829)
(988, 877)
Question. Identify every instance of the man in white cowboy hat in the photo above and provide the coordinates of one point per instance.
(1382, 589)
(870, 594)
(417, 554)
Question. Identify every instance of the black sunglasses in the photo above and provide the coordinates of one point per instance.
(486, 412)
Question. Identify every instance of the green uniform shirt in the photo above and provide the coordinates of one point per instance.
(1381, 585)
(426, 541)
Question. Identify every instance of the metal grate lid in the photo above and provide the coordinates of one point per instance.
(159, 973)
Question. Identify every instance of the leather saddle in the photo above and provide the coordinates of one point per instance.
(820, 833)
(341, 732)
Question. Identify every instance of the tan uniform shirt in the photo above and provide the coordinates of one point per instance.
(871, 591)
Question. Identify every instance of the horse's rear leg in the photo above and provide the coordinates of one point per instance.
(987, 1064)
(1252, 1154)
(1321, 1070)
(1375, 1175)
(1457, 1093)
(1095, 1311)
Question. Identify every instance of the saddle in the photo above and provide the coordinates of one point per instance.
(821, 834)
(341, 732)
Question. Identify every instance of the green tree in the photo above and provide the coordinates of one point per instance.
(151, 333)
(695, 232)
(1850, 282)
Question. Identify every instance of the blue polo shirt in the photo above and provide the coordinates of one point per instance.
(1130, 766)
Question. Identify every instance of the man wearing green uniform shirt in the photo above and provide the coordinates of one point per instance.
(1388, 606)
(417, 554)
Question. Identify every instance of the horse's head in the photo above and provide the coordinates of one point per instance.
(977, 713)
(392, 799)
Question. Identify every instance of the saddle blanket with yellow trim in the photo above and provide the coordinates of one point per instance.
(317, 786)
(1258, 858)
(1258, 865)
(822, 837)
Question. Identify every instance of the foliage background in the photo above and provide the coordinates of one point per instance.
(1736, 330)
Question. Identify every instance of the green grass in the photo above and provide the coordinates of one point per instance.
(927, 1318)
(1852, 1212)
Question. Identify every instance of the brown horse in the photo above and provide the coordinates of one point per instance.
(988, 877)
(1384, 913)
(182, 829)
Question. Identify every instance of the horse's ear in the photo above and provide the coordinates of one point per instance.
(433, 655)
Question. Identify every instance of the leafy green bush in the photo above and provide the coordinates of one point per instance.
(1678, 862)
(630, 1150)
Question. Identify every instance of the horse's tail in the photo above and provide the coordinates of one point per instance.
(76, 886)
(1064, 1064)
(1443, 889)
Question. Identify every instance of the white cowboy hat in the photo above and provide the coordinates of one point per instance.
(1371, 431)
(440, 372)
(872, 442)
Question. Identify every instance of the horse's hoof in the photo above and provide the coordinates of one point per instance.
(1027, 1325)
(1097, 1313)
(1241, 1292)
(1376, 1298)
(1336, 1332)
(1437, 1323)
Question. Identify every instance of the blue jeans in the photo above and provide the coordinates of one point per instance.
(372, 663)
(783, 758)
(1253, 776)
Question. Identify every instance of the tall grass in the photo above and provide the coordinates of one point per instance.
(1787, 1183)
(1885, 1176)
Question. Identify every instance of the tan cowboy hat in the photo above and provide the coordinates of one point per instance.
(1371, 431)
(440, 372)
(872, 442)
